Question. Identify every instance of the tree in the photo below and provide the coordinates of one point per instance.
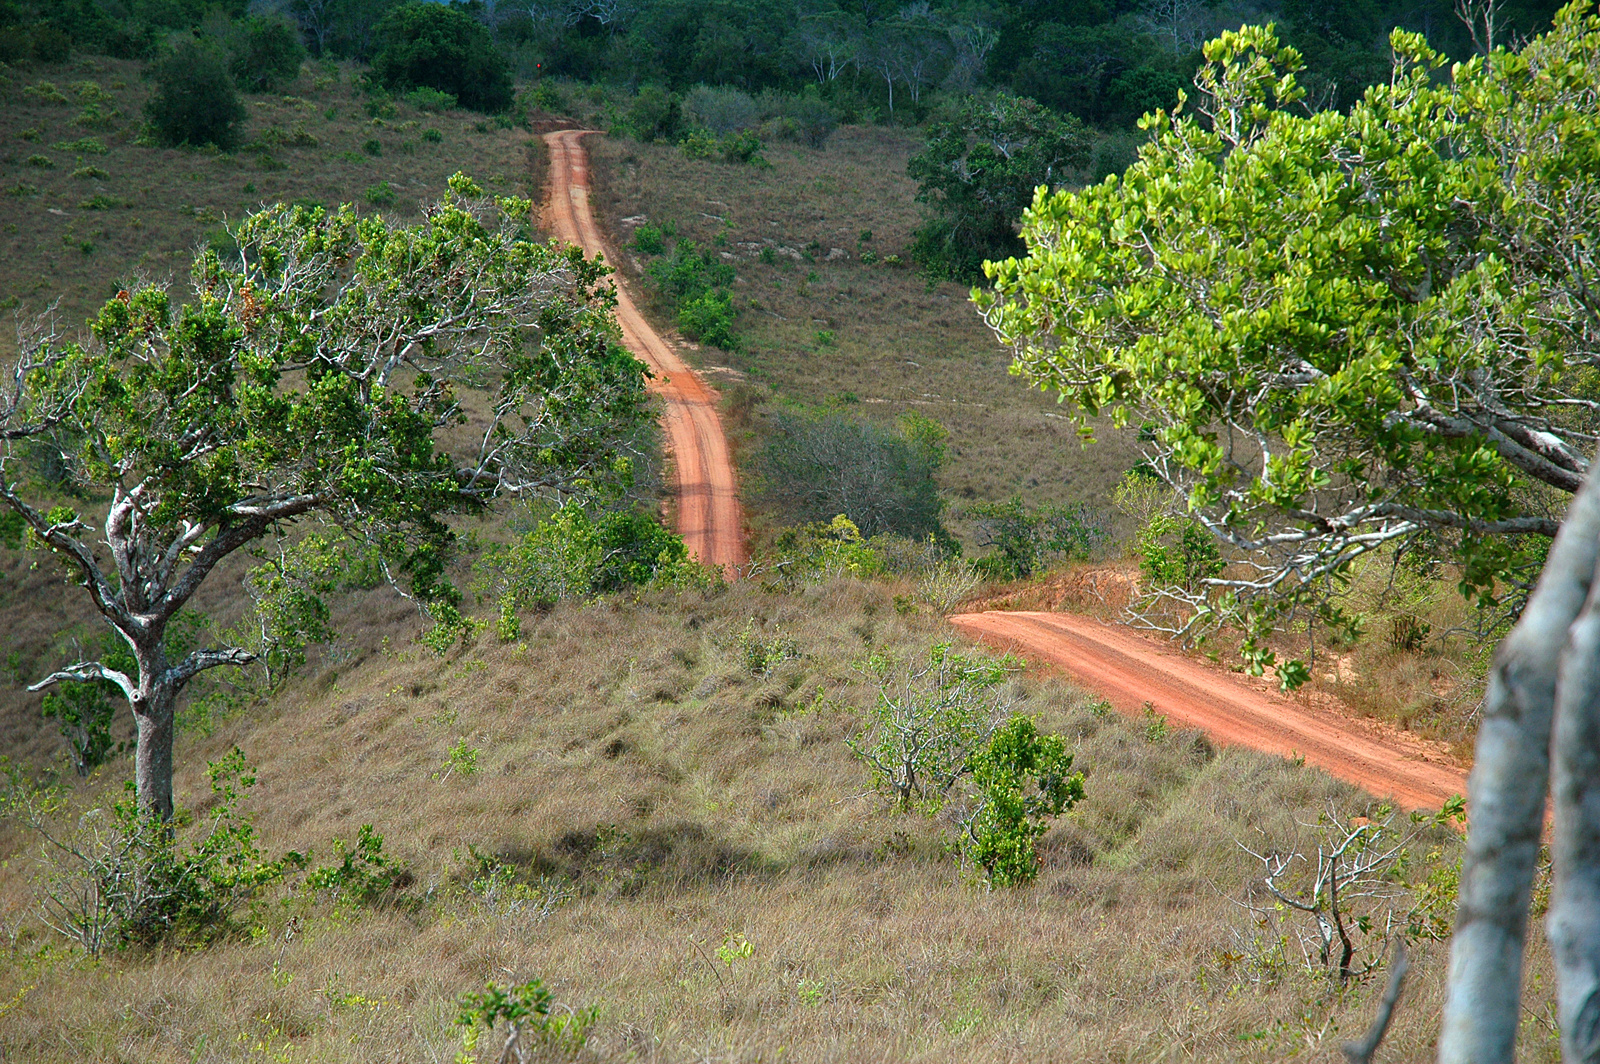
(979, 172)
(1340, 333)
(267, 53)
(195, 101)
(442, 47)
(312, 377)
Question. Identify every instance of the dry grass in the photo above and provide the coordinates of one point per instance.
(625, 751)
(897, 344)
(157, 204)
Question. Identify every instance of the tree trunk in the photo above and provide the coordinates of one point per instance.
(1506, 796)
(1574, 922)
(153, 712)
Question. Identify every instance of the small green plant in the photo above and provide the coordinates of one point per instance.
(708, 318)
(426, 98)
(432, 136)
(1024, 781)
(825, 338)
(379, 195)
(41, 162)
(531, 1028)
(362, 874)
(45, 91)
(461, 761)
(90, 173)
(547, 97)
(372, 146)
(761, 655)
(1155, 724)
(33, 134)
(81, 146)
(100, 202)
(698, 143)
(22, 188)
(649, 240)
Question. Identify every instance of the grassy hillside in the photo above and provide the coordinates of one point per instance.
(86, 207)
(653, 797)
(827, 318)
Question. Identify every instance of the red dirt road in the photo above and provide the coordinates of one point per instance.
(709, 516)
(1128, 670)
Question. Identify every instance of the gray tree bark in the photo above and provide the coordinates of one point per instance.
(1574, 920)
(1506, 797)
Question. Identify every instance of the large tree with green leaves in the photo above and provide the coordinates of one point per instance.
(979, 171)
(326, 371)
(1340, 333)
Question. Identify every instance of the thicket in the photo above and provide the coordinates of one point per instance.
(266, 52)
(695, 283)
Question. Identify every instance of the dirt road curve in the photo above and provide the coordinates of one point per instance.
(1128, 670)
(709, 517)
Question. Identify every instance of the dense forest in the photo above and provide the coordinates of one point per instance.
(1105, 61)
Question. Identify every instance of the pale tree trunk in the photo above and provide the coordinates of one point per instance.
(1506, 796)
(153, 713)
(1574, 921)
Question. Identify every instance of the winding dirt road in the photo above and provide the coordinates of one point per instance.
(1129, 670)
(709, 516)
(1124, 667)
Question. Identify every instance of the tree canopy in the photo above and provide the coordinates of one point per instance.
(321, 373)
(442, 47)
(979, 171)
(1340, 332)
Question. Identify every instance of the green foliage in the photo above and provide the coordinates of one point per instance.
(288, 598)
(530, 1026)
(1023, 537)
(696, 281)
(124, 876)
(1339, 331)
(813, 468)
(648, 240)
(698, 143)
(979, 172)
(372, 146)
(362, 873)
(573, 554)
(432, 136)
(1024, 780)
(441, 47)
(194, 101)
(84, 713)
(427, 98)
(379, 195)
(926, 720)
(761, 654)
(708, 318)
(266, 53)
(1177, 552)
(654, 114)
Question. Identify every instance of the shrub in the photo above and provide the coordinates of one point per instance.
(379, 195)
(1023, 780)
(531, 1030)
(573, 555)
(444, 48)
(742, 147)
(42, 162)
(194, 100)
(1024, 537)
(654, 114)
(698, 143)
(925, 721)
(373, 146)
(648, 240)
(883, 480)
(266, 53)
(709, 319)
(425, 98)
(432, 136)
(721, 110)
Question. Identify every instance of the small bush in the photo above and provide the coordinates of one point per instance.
(42, 162)
(81, 146)
(721, 110)
(884, 480)
(1024, 537)
(432, 136)
(531, 1031)
(648, 240)
(194, 100)
(379, 195)
(709, 319)
(373, 147)
(266, 53)
(655, 114)
(698, 143)
(1023, 780)
(426, 98)
(90, 173)
(743, 147)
